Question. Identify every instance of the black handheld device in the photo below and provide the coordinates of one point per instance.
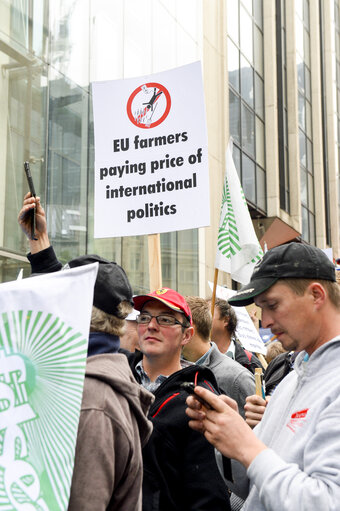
(33, 194)
(189, 387)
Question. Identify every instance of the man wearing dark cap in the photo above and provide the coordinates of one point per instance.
(180, 470)
(291, 460)
(113, 423)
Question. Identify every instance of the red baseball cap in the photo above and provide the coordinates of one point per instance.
(169, 297)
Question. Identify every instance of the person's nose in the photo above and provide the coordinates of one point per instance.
(266, 319)
(153, 325)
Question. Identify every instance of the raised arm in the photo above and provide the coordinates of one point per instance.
(24, 221)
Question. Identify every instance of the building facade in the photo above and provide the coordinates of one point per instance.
(271, 72)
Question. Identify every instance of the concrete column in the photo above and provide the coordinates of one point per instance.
(319, 185)
(293, 125)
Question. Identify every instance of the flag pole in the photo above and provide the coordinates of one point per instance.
(155, 266)
(213, 298)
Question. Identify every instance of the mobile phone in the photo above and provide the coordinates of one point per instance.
(189, 387)
(33, 194)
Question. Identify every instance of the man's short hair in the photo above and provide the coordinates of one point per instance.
(226, 311)
(108, 323)
(201, 316)
(299, 286)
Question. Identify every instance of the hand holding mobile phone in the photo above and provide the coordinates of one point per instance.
(33, 194)
(189, 387)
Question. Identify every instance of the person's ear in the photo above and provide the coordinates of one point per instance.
(318, 293)
(187, 335)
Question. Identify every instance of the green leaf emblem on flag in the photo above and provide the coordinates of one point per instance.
(41, 380)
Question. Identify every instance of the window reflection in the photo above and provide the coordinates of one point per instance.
(46, 105)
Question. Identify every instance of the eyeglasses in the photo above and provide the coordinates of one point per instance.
(162, 319)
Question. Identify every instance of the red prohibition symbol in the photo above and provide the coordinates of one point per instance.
(148, 105)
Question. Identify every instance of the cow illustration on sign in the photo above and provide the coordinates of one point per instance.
(145, 111)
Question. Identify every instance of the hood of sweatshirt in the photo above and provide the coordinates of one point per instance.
(308, 366)
(114, 370)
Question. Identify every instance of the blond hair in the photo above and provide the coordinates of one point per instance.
(103, 322)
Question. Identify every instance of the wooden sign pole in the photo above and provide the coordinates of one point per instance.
(155, 266)
(213, 298)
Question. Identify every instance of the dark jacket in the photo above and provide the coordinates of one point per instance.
(246, 358)
(180, 471)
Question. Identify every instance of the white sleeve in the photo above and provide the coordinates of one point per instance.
(284, 486)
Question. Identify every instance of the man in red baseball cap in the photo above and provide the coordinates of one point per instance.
(180, 470)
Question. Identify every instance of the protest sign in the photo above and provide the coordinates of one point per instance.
(245, 330)
(151, 159)
(44, 326)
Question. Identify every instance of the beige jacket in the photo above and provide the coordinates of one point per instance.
(113, 428)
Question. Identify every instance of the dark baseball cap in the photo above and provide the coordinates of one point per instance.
(112, 285)
(289, 261)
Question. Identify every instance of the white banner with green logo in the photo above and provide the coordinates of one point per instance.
(238, 249)
(44, 326)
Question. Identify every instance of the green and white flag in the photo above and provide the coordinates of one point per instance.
(238, 249)
(44, 326)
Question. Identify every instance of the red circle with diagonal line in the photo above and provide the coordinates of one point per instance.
(148, 105)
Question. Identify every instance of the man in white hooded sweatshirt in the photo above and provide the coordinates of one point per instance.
(291, 460)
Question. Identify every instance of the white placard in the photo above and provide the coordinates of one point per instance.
(151, 157)
(245, 330)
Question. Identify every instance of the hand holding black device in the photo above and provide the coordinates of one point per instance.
(33, 194)
(189, 387)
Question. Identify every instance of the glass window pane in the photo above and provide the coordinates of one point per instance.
(234, 117)
(187, 261)
(301, 77)
(260, 142)
(307, 83)
(306, 47)
(107, 31)
(164, 27)
(303, 181)
(248, 127)
(306, 12)
(246, 34)
(310, 193)
(299, 40)
(302, 108)
(69, 33)
(237, 160)
(67, 167)
(248, 178)
(302, 146)
(247, 82)
(261, 189)
(299, 8)
(23, 105)
(304, 221)
(233, 65)
(258, 48)
(312, 229)
(232, 20)
(259, 96)
(309, 165)
(248, 5)
(308, 119)
(258, 13)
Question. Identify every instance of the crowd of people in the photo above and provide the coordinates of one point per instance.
(170, 420)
